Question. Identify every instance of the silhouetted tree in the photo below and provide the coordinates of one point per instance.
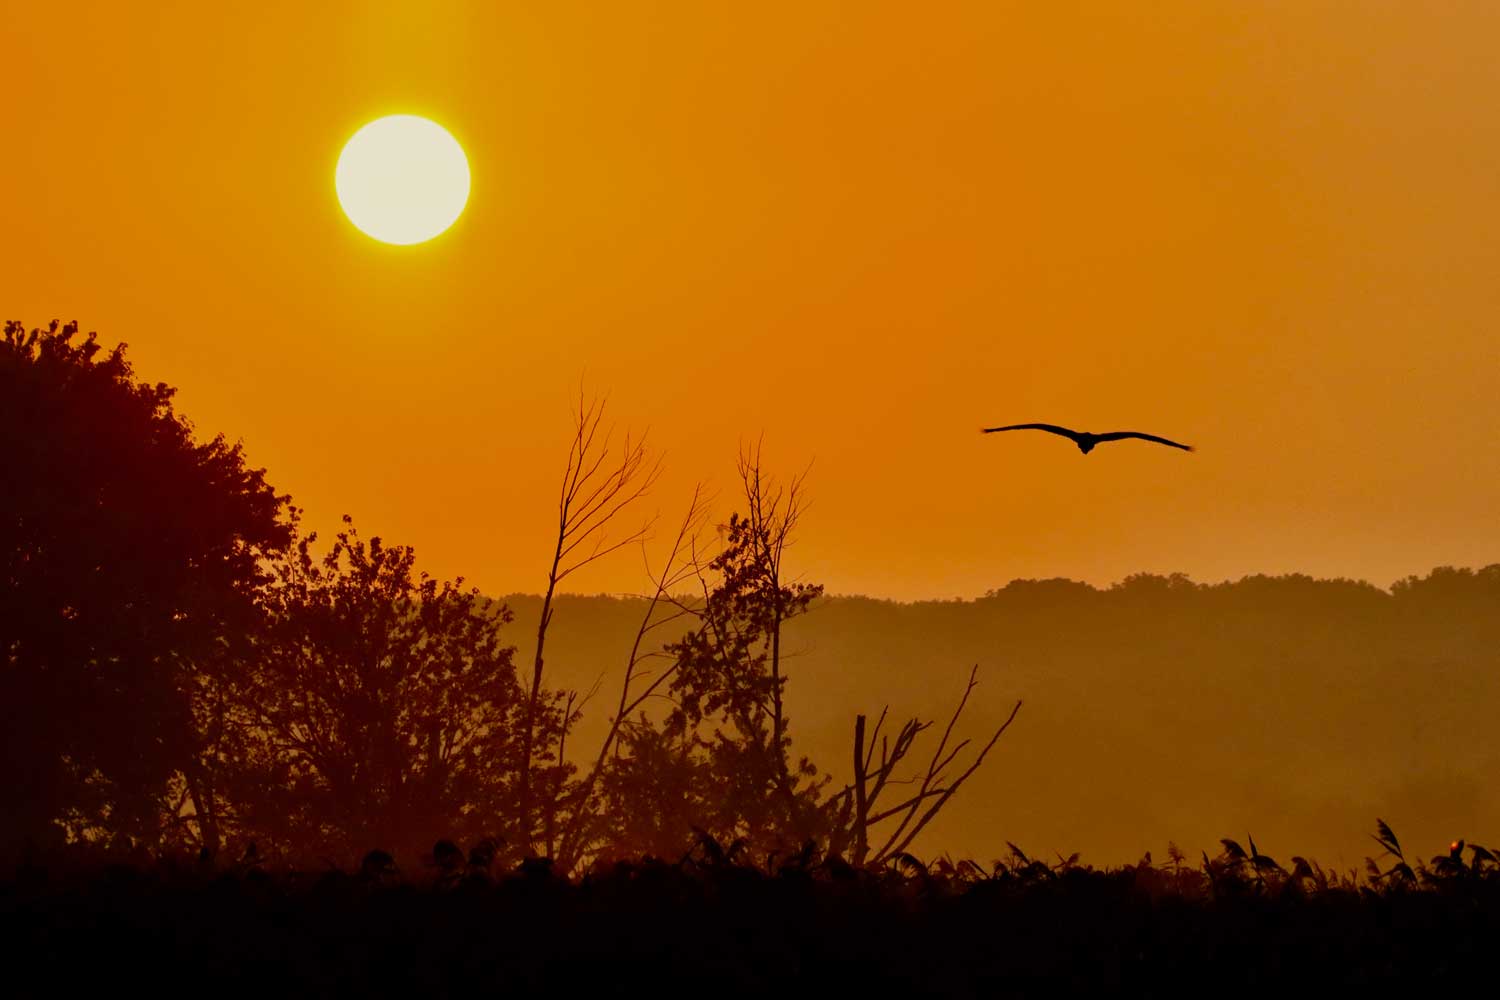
(731, 672)
(595, 491)
(129, 555)
(718, 767)
(380, 706)
(633, 752)
(720, 760)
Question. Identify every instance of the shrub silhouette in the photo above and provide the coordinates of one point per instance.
(715, 920)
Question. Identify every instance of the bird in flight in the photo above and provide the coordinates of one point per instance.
(1084, 439)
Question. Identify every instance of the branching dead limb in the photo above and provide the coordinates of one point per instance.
(678, 568)
(933, 788)
(593, 495)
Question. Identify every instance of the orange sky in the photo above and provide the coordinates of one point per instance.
(863, 229)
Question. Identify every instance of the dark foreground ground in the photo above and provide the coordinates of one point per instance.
(714, 930)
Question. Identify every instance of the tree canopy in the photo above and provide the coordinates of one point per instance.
(378, 706)
(130, 554)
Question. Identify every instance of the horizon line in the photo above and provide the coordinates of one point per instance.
(1388, 589)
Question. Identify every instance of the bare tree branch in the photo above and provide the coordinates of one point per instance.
(592, 496)
(954, 787)
(932, 787)
(677, 569)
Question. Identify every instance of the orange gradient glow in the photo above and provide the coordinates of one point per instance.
(865, 230)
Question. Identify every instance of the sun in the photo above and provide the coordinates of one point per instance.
(402, 179)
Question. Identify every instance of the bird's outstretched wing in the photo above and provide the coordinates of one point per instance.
(1121, 435)
(1050, 428)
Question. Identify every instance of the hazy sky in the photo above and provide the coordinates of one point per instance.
(866, 230)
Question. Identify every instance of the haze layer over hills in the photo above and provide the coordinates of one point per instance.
(1292, 709)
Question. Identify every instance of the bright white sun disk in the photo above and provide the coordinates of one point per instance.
(402, 179)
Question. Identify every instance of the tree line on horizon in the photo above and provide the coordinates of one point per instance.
(1158, 708)
(184, 669)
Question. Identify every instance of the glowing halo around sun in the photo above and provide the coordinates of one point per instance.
(402, 179)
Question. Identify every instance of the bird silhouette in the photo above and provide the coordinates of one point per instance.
(1086, 440)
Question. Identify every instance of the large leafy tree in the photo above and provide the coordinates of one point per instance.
(380, 708)
(130, 554)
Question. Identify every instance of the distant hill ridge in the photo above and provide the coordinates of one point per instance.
(1308, 705)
